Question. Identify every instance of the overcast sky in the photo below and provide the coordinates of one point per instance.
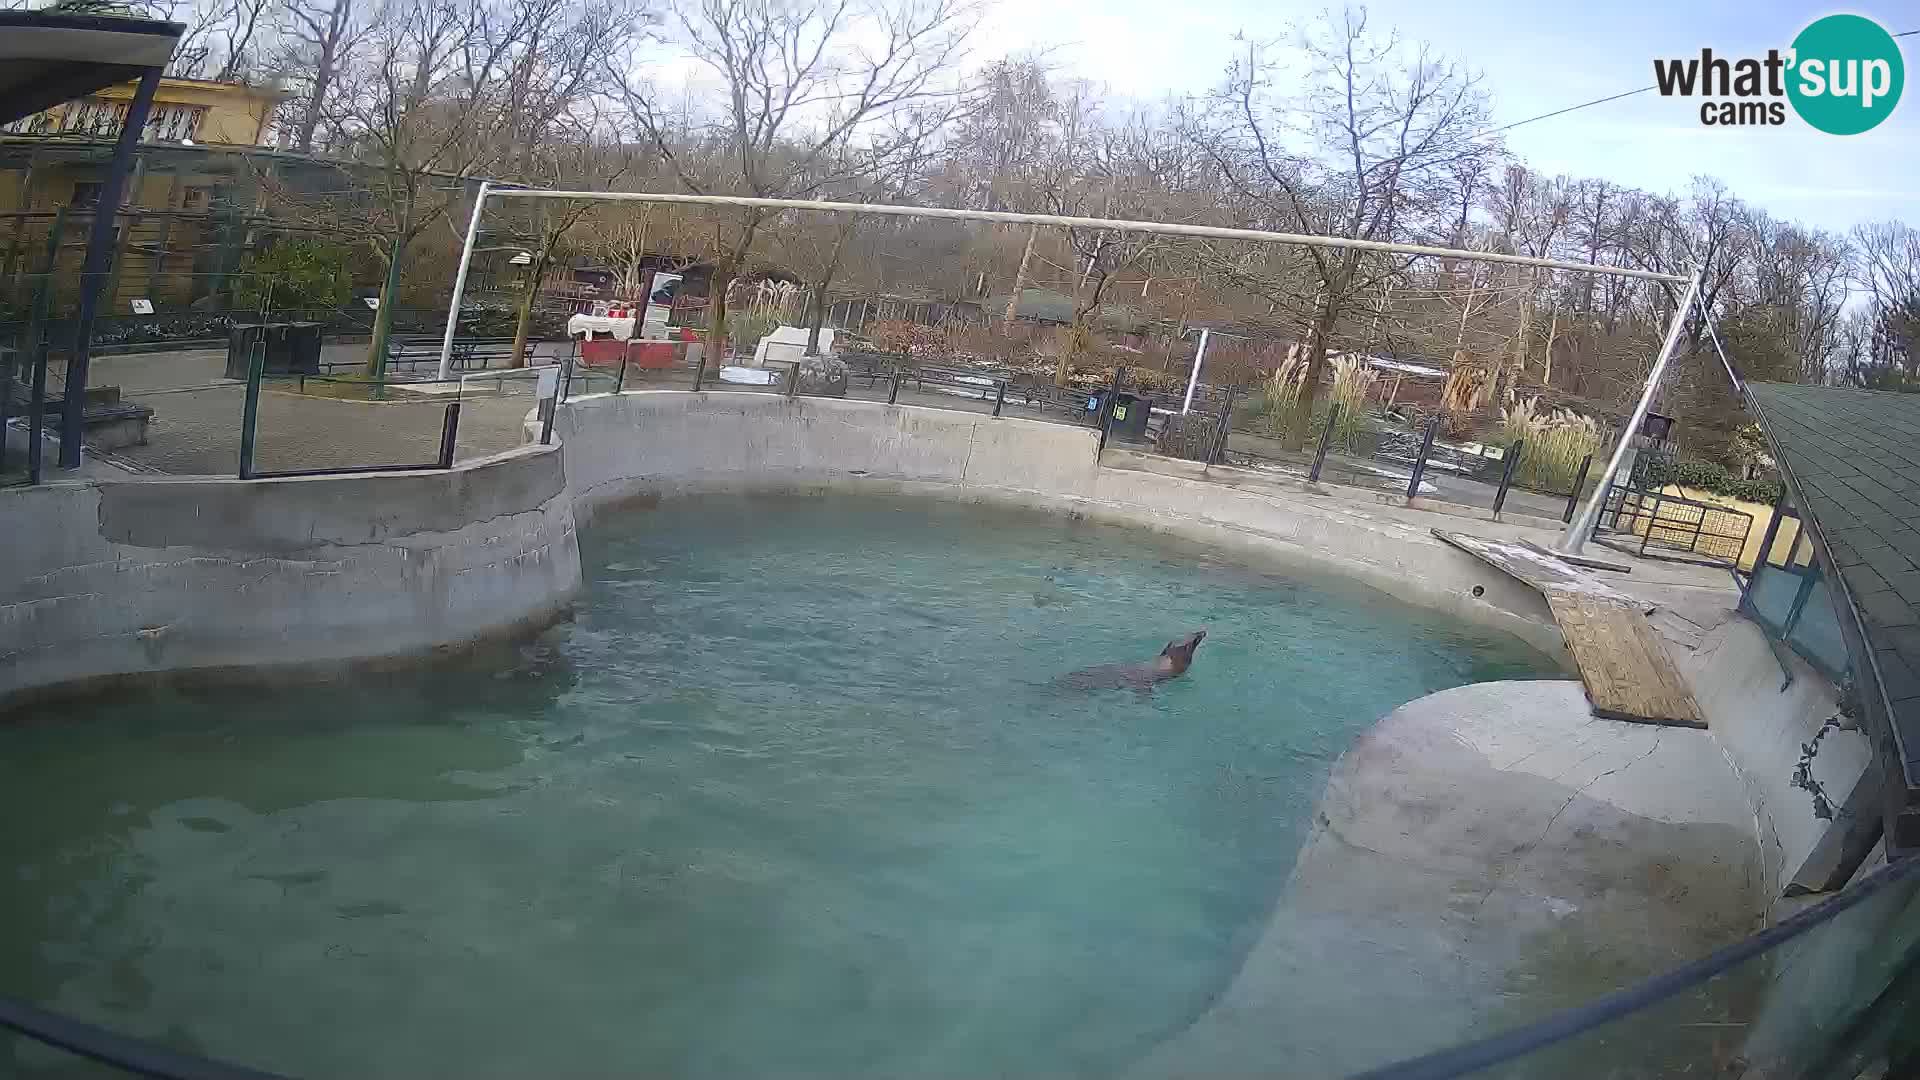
(1537, 57)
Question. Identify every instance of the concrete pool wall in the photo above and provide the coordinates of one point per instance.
(654, 443)
(105, 580)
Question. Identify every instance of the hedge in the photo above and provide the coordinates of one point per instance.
(1707, 476)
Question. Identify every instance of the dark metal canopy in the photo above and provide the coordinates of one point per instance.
(47, 57)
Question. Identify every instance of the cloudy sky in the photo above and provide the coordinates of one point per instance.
(1537, 57)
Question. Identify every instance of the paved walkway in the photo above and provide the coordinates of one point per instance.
(197, 413)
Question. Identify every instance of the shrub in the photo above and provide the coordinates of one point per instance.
(295, 274)
(1554, 444)
(1708, 476)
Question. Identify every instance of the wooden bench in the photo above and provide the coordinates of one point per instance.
(469, 354)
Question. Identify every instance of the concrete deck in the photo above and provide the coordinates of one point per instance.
(1482, 857)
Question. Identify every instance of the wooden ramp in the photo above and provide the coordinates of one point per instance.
(1622, 663)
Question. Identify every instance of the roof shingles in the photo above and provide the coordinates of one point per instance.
(1852, 454)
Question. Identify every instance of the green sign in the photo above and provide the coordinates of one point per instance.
(1846, 74)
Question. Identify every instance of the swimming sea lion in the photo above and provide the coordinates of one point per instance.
(1171, 663)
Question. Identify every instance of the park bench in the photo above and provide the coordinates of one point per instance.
(107, 423)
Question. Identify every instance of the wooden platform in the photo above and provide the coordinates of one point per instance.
(1622, 663)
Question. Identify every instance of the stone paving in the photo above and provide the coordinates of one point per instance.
(197, 411)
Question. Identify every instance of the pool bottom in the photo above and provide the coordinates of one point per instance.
(796, 792)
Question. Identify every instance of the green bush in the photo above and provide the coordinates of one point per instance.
(295, 275)
(1708, 476)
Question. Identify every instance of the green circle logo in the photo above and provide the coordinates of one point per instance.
(1847, 74)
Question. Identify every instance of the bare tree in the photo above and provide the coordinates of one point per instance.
(319, 41)
(806, 86)
(1382, 135)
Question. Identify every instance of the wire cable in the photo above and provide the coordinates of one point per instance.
(1604, 100)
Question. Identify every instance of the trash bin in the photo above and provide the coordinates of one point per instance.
(1130, 416)
(291, 348)
(1090, 409)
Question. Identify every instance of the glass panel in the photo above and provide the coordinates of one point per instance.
(1802, 551)
(1816, 635)
(1770, 596)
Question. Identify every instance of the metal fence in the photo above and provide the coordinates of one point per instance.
(1653, 522)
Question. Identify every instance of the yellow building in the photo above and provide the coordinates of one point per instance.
(184, 110)
(194, 178)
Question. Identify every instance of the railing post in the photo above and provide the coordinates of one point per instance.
(700, 371)
(1001, 398)
(620, 383)
(893, 389)
(1506, 477)
(1652, 516)
(1225, 432)
(37, 420)
(6, 404)
(250, 408)
(1106, 407)
(1326, 436)
(793, 380)
(449, 431)
(1420, 462)
(1579, 482)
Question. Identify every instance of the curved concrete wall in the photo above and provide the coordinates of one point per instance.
(667, 442)
(109, 578)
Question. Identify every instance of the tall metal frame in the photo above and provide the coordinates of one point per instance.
(1570, 542)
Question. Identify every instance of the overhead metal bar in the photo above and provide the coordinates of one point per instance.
(1163, 228)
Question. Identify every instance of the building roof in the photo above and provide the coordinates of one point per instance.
(47, 57)
(1853, 459)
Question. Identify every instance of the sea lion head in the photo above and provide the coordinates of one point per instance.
(1176, 657)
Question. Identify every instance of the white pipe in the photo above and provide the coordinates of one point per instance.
(460, 283)
(1193, 379)
(1166, 228)
(1576, 535)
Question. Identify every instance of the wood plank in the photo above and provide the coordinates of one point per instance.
(1623, 664)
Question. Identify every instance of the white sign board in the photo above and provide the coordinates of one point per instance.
(373, 303)
(143, 307)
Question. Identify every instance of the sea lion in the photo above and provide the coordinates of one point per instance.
(1172, 662)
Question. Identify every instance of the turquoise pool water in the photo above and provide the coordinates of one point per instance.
(795, 793)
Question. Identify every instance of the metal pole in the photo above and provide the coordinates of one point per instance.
(37, 423)
(1000, 399)
(250, 409)
(1193, 378)
(1106, 407)
(620, 383)
(449, 431)
(1420, 463)
(93, 273)
(1579, 484)
(893, 389)
(460, 280)
(1326, 436)
(700, 371)
(793, 380)
(1162, 228)
(1506, 477)
(1575, 537)
(1226, 429)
